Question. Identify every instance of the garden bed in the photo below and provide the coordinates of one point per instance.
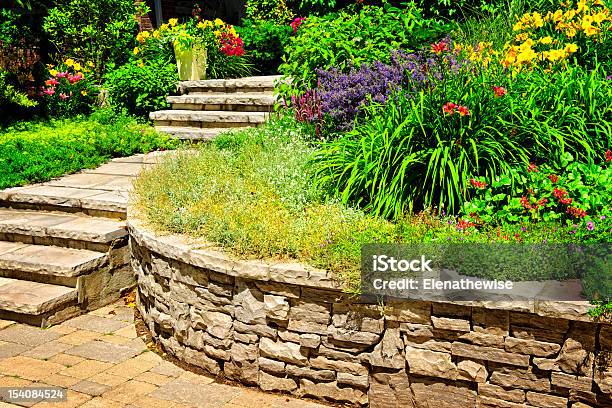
(287, 327)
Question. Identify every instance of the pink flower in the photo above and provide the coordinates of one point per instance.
(295, 24)
(75, 78)
(49, 91)
(63, 96)
(51, 82)
(62, 74)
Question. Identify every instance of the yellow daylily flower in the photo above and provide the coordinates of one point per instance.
(77, 66)
(136, 50)
(173, 22)
(571, 48)
(69, 62)
(53, 72)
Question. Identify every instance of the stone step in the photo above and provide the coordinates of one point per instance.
(191, 133)
(47, 197)
(246, 85)
(35, 303)
(48, 264)
(241, 102)
(61, 229)
(207, 119)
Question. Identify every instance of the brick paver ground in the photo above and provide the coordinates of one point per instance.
(102, 363)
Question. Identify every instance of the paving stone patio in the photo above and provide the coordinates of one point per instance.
(103, 363)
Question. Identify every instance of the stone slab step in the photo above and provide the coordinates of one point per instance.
(209, 119)
(242, 102)
(90, 201)
(30, 301)
(247, 85)
(48, 264)
(191, 133)
(62, 229)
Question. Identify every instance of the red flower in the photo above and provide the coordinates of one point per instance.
(62, 74)
(532, 168)
(566, 201)
(232, 45)
(608, 156)
(478, 184)
(51, 82)
(449, 108)
(499, 91)
(559, 193)
(553, 177)
(576, 212)
(296, 23)
(463, 224)
(463, 110)
(525, 203)
(439, 47)
(543, 201)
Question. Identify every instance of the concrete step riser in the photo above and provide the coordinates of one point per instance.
(229, 108)
(60, 242)
(63, 312)
(70, 281)
(202, 124)
(209, 90)
(36, 204)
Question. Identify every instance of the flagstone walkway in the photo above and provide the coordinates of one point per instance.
(101, 361)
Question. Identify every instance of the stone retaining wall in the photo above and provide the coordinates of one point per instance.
(288, 328)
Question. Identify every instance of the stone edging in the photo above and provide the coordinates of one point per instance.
(184, 249)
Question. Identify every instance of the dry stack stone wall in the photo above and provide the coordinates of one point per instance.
(287, 328)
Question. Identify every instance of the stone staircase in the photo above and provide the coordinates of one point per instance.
(206, 108)
(64, 244)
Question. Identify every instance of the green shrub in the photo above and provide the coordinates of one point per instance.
(36, 152)
(101, 31)
(275, 11)
(141, 87)
(349, 39)
(576, 194)
(265, 43)
(11, 96)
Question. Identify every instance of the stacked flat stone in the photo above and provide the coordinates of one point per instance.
(207, 108)
(289, 328)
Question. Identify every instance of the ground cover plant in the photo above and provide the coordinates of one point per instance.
(35, 152)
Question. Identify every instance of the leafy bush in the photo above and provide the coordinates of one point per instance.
(36, 152)
(68, 90)
(100, 31)
(576, 194)
(265, 43)
(275, 11)
(349, 39)
(141, 87)
(11, 96)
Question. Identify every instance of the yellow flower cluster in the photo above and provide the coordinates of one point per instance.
(481, 54)
(75, 66)
(550, 39)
